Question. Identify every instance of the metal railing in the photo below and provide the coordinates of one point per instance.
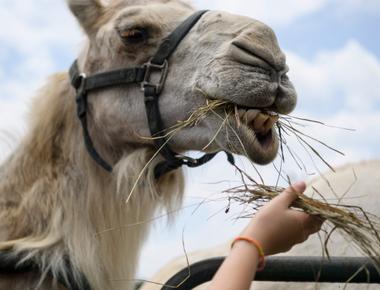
(286, 269)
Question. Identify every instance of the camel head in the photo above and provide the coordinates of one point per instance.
(224, 57)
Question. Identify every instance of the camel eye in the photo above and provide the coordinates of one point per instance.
(134, 35)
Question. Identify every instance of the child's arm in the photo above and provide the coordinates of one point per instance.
(277, 229)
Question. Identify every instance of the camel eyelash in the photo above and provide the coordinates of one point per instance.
(134, 35)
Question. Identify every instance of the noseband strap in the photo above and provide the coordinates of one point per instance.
(140, 75)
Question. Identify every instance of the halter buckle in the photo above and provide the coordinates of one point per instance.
(149, 69)
(81, 95)
(187, 160)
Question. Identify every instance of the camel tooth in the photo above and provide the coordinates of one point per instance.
(259, 121)
(251, 115)
(275, 118)
(237, 116)
(241, 113)
(245, 118)
(269, 123)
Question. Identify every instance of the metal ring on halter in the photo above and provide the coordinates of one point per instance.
(151, 67)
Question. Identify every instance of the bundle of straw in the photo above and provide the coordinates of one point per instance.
(353, 222)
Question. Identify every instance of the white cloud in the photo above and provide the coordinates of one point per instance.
(361, 143)
(12, 114)
(37, 24)
(269, 11)
(279, 12)
(349, 6)
(345, 79)
(34, 36)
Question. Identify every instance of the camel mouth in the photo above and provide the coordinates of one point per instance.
(253, 132)
(260, 123)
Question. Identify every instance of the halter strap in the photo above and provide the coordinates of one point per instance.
(170, 44)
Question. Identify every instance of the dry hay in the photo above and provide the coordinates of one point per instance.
(357, 225)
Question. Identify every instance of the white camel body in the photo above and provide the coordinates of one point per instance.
(56, 203)
(364, 193)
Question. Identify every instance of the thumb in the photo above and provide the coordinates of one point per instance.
(290, 194)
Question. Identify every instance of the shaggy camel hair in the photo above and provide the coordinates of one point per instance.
(56, 203)
(359, 182)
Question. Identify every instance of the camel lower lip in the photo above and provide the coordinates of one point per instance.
(265, 140)
(250, 132)
(260, 124)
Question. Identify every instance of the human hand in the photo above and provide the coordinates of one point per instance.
(278, 228)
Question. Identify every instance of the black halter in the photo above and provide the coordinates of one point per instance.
(83, 85)
(141, 75)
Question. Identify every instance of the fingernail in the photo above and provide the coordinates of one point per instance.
(299, 186)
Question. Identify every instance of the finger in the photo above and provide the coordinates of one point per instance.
(305, 225)
(317, 224)
(298, 187)
(289, 195)
(313, 224)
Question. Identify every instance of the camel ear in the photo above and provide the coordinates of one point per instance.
(88, 13)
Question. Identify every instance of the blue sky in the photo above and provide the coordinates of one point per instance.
(333, 51)
(306, 36)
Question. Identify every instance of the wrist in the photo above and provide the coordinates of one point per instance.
(246, 243)
(258, 233)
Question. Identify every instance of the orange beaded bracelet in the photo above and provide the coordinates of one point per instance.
(259, 248)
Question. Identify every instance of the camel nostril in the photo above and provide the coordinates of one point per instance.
(281, 76)
(242, 52)
(284, 78)
(246, 53)
(283, 73)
